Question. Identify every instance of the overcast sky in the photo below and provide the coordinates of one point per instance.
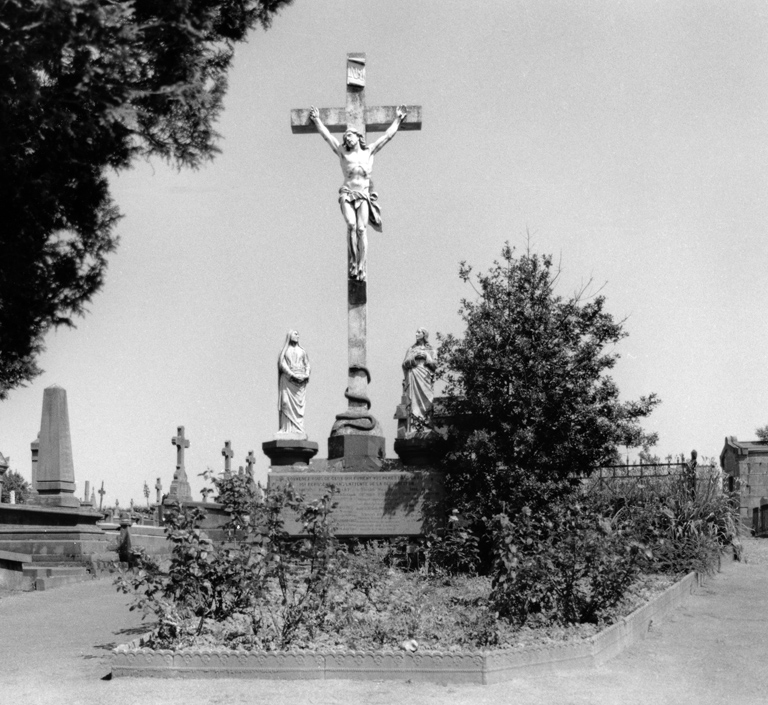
(629, 139)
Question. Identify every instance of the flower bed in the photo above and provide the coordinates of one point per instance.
(441, 666)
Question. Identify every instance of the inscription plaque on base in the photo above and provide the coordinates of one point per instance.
(373, 504)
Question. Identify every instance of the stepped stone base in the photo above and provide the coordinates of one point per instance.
(52, 534)
(19, 572)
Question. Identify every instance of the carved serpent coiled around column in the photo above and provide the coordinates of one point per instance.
(358, 419)
(360, 398)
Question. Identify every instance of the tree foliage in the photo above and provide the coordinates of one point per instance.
(532, 407)
(14, 481)
(87, 86)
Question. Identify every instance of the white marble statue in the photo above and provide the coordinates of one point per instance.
(419, 368)
(357, 200)
(293, 376)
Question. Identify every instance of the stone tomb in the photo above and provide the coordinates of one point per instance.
(370, 504)
(53, 527)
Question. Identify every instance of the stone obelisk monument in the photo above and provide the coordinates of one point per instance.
(55, 469)
(356, 437)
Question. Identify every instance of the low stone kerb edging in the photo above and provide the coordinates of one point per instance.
(481, 667)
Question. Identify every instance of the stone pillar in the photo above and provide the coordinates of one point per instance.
(356, 437)
(55, 469)
(34, 448)
(4, 465)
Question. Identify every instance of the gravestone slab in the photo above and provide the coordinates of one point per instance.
(372, 504)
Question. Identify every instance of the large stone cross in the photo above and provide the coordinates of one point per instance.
(356, 114)
(357, 421)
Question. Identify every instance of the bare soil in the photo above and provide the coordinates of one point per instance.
(55, 646)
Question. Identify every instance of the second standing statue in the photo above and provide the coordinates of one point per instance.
(293, 376)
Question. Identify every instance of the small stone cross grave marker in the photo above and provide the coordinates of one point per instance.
(228, 454)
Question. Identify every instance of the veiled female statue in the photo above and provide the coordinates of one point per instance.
(419, 368)
(293, 376)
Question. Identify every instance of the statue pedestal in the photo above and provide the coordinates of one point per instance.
(357, 452)
(289, 451)
(415, 452)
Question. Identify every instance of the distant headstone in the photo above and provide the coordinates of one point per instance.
(55, 469)
(12, 496)
(180, 489)
(228, 454)
(101, 495)
(159, 489)
(87, 493)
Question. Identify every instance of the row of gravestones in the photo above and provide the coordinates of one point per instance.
(382, 496)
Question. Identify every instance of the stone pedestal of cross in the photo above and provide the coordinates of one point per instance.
(228, 454)
(180, 489)
(356, 437)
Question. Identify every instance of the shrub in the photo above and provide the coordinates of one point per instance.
(566, 566)
(260, 585)
(683, 531)
(529, 403)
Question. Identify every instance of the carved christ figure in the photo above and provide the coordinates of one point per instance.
(419, 367)
(358, 202)
(293, 376)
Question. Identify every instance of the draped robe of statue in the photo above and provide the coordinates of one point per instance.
(418, 385)
(293, 376)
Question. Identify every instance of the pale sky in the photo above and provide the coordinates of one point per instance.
(629, 139)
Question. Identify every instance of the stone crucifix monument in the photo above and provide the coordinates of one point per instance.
(375, 499)
(356, 436)
(180, 489)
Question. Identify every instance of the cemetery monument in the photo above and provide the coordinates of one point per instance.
(375, 498)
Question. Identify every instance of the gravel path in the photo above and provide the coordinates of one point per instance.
(54, 648)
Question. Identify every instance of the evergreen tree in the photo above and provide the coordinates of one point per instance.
(86, 86)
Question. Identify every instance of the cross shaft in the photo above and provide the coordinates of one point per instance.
(358, 116)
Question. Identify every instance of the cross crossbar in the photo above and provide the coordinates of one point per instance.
(377, 119)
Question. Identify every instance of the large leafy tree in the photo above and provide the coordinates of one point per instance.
(531, 406)
(14, 481)
(86, 86)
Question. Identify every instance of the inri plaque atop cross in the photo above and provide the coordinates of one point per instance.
(356, 433)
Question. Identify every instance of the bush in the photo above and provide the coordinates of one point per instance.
(530, 407)
(259, 586)
(683, 531)
(567, 566)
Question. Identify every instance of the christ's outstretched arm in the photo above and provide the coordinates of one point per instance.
(391, 130)
(314, 115)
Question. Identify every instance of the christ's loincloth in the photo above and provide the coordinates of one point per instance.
(355, 198)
